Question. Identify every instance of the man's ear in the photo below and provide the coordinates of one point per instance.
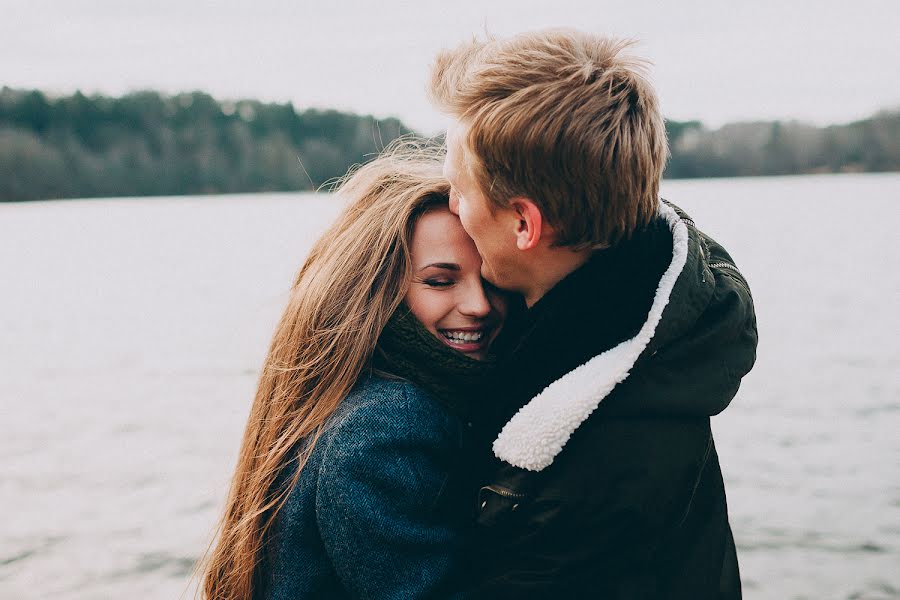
(530, 224)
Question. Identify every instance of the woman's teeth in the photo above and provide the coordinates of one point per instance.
(463, 337)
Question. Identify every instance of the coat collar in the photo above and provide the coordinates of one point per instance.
(537, 433)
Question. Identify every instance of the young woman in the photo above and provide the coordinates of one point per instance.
(351, 479)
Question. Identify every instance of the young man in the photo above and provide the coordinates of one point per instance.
(638, 327)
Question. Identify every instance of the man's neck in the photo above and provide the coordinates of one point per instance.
(554, 265)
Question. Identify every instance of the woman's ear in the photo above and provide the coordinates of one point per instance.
(530, 223)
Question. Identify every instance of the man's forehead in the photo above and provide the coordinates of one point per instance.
(456, 159)
(452, 143)
(449, 162)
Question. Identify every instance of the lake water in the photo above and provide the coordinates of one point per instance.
(131, 331)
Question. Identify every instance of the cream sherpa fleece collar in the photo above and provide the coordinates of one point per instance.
(537, 433)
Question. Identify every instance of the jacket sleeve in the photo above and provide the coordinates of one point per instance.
(379, 495)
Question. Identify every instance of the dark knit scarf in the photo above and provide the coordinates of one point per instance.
(407, 350)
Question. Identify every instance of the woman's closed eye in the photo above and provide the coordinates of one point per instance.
(439, 274)
(438, 282)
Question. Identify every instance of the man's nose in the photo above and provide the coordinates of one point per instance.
(454, 203)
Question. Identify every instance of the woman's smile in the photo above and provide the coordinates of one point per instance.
(468, 339)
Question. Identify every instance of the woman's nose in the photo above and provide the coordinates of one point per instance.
(474, 302)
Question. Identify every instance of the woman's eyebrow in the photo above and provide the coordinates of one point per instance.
(442, 265)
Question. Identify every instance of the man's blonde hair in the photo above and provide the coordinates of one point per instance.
(564, 118)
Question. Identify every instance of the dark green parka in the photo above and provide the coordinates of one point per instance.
(606, 483)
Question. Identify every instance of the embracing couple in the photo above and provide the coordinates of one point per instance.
(496, 370)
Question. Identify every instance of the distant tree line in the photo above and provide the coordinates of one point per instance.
(146, 144)
(784, 148)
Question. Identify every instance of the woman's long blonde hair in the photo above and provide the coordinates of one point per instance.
(354, 278)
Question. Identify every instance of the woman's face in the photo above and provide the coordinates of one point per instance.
(447, 294)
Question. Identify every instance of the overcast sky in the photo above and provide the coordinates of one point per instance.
(717, 61)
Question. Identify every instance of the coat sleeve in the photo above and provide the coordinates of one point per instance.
(379, 500)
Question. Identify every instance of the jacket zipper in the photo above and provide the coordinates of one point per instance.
(716, 265)
(725, 265)
(500, 491)
(730, 267)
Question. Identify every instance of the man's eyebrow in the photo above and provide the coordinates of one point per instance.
(442, 265)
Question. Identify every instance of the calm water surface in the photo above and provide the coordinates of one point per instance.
(131, 331)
